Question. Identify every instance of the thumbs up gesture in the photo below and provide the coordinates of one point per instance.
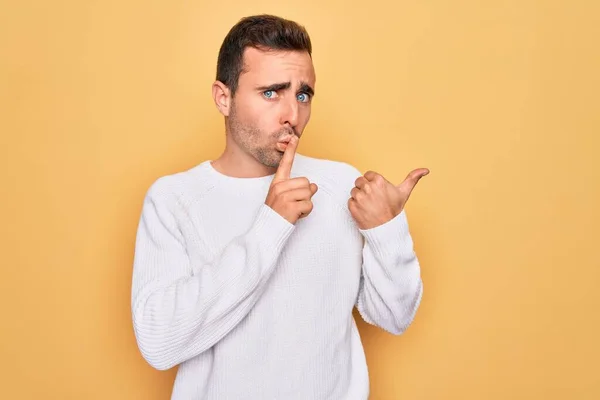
(375, 201)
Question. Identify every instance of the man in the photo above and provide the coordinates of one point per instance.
(247, 268)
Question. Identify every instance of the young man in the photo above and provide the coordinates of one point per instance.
(247, 268)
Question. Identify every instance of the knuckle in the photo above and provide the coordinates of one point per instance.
(309, 206)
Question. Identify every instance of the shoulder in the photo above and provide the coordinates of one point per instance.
(178, 188)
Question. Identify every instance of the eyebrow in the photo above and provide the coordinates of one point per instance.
(304, 87)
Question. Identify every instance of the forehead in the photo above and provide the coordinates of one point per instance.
(277, 66)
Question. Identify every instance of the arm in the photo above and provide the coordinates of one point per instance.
(178, 314)
(391, 287)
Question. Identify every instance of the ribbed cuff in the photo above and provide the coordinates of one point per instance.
(391, 238)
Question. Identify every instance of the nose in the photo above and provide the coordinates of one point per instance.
(289, 113)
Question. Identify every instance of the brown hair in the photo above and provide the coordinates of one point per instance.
(264, 32)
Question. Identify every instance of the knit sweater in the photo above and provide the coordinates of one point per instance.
(251, 306)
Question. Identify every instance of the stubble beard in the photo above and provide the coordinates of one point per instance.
(250, 140)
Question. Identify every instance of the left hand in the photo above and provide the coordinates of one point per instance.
(375, 201)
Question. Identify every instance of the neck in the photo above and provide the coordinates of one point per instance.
(236, 163)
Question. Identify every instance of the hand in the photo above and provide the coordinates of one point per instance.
(375, 201)
(290, 198)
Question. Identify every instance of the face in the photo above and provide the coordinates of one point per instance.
(272, 102)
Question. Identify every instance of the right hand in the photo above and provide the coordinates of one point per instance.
(290, 198)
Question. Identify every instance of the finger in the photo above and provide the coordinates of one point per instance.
(305, 207)
(285, 166)
(370, 175)
(360, 182)
(374, 177)
(353, 206)
(304, 193)
(294, 183)
(416, 174)
(408, 185)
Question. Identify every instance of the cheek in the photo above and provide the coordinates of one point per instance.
(247, 107)
(259, 112)
(266, 116)
(304, 116)
(255, 106)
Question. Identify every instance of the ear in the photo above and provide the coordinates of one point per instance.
(222, 97)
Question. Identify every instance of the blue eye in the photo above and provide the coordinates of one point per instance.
(269, 94)
(303, 97)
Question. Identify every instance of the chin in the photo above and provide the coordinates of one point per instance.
(269, 159)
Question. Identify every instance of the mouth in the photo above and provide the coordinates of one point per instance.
(286, 140)
(283, 143)
(281, 146)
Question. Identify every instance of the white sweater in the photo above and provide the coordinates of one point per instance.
(250, 306)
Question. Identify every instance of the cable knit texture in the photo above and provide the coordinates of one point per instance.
(250, 306)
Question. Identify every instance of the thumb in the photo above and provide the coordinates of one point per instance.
(407, 186)
(313, 188)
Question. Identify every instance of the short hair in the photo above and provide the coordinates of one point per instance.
(263, 32)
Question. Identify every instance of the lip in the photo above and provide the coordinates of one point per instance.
(286, 140)
(282, 145)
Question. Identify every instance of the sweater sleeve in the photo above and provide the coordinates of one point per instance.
(390, 287)
(178, 314)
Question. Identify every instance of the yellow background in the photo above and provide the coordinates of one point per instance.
(500, 99)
